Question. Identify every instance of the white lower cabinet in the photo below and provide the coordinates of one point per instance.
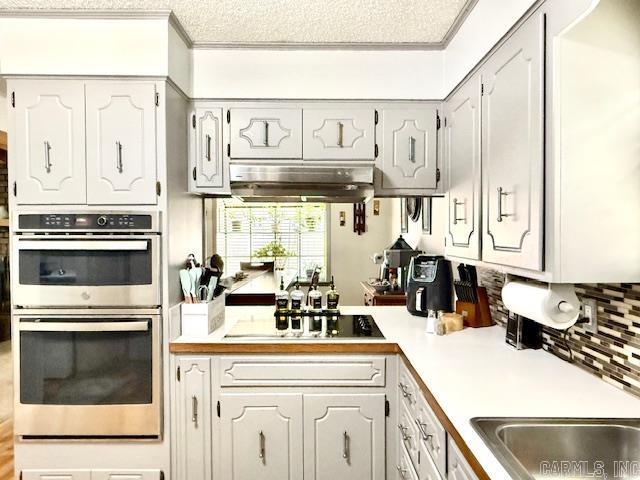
(261, 436)
(193, 418)
(458, 467)
(344, 436)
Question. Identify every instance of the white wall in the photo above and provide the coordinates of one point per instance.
(323, 74)
(350, 253)
(429, 243)
(3, 105)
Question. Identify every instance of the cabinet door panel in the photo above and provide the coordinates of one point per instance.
(512, 149)
(338, 134)
(344, 437)
(121, 143)
(408, 158)
(49, 158)
(208, 148)
(266, 133)
(462, 157)
(261, 436)
(193, 406)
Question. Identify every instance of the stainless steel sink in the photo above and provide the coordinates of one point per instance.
(561, 448)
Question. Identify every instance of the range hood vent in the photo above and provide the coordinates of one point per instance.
(312, 183)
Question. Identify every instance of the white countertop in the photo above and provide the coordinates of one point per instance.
(474, 373)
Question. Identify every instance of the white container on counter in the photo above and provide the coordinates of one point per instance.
(200, 319)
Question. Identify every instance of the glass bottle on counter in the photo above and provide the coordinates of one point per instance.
(315, 306)
(297, 302)
(282, 307)
(333, 297)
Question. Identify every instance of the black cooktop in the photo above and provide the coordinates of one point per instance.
(324, 326)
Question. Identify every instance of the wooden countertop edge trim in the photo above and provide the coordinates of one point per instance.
(446, 423)
(379, 348)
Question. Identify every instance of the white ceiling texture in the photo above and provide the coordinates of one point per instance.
(417, 22)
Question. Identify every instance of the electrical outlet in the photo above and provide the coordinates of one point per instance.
(590, 313)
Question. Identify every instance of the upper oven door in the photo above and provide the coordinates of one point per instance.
(86, 270)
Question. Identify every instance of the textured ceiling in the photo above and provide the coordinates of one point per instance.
(298, 21)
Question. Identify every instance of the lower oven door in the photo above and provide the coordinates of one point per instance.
(86, 270)
(93, 375)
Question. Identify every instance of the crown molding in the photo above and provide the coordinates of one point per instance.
(87, 13)
(318, 45)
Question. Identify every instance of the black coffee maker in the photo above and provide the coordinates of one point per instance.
(429, 285)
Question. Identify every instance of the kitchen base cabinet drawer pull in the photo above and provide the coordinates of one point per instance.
(401, 471)
(345, 445)
(194, 410)
(262, 445)
(403, 431)
(423, 432)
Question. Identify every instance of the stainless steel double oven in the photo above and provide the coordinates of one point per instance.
(86, 293)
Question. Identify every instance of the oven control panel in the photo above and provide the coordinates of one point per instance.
(85, 221)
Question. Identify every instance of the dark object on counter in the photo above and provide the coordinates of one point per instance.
(359, 216)
(472, 301)
(429, 285)
(396, 262)
(523, 332)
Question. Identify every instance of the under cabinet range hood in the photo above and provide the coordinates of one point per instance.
(313, 183)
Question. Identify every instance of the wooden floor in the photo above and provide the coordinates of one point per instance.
(6, 449)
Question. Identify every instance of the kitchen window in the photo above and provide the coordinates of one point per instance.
(293, 235)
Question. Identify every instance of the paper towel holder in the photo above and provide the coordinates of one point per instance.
(561, 304)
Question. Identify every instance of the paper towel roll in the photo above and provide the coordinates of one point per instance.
(555, 305)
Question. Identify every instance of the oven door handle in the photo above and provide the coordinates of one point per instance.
(84, 326)
(82, 245)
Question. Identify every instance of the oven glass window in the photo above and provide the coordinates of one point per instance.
(86, 267)
(86, 367)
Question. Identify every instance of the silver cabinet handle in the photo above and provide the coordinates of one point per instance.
(455, 212)
(401, 471)
(403, 432)
(345, 445)
(403, 387)
(194, 410)
(340, 134)
(261, 441)
(412, 150)
(266, 133)
(208, 150)
(423, 432)
(47, 158)
(501, 194)
(119, 156)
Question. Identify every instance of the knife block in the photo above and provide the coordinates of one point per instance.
(478, 314)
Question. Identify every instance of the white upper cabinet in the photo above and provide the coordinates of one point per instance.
(270, 133)
(512, 149)
(193, 418)
(339, 134)
(208, 162)
(261, 436)
(407, 161)
(462, 158)
(121, 143)
(49, 158)
(344, 437)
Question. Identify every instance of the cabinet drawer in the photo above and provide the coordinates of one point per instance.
(405, 468)
(238, 371)
(407, 388)
(433, 436)
(427, 470)
(56, 475)
(458, 469)
(125, 475)
(408, 433)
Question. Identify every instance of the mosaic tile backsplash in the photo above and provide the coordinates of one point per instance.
(613, 353)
